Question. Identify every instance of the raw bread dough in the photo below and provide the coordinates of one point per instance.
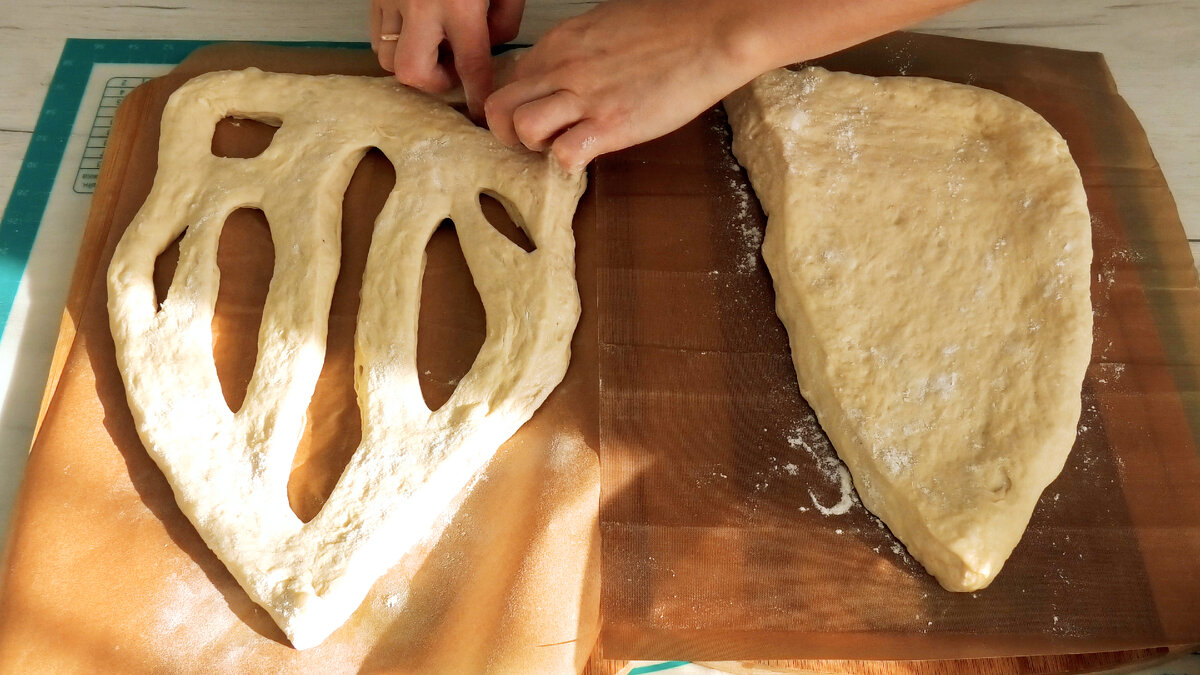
(229, 471)
(930, 247)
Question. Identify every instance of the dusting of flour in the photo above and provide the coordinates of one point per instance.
(747, 232)
(804, 436)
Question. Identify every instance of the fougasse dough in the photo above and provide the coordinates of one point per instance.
(930, 246)
(229, 471)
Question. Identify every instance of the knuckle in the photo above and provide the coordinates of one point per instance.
(609, 117)
(438, 82)
(525, 126)
(568, 157)
(405, 73)
(522, 116)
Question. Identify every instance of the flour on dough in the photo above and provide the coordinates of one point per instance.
(229, 471)
(930, 248)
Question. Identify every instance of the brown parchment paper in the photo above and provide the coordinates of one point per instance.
(727, 531)
(104, 574)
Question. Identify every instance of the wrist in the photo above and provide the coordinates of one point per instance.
(745, 40)
(766, 34)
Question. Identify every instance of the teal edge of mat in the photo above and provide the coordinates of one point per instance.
(31, 190)
(657, 667)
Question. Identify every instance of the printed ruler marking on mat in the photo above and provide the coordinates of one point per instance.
(115, 91)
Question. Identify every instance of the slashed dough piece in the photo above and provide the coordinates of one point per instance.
(229, 471)
(930, 247)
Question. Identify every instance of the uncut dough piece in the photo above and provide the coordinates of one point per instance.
(930, 247)
(229, 471)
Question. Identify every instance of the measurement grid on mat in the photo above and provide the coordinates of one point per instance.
(115, 90)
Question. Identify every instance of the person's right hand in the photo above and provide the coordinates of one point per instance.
(622, 73)
(627, 71)
(421, 27)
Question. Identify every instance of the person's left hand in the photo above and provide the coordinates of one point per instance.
(421, 27)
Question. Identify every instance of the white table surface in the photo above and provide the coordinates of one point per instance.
(1152, 47)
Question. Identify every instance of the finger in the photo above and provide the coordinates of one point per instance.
(438, 78)
(374, 17)
(582, 143)
(472, 59)
(416, 59)
(500, 106)
(504, 20)
(389, 22)
(538, 122)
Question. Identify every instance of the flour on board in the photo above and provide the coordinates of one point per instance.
(801, 438)
(749, 235)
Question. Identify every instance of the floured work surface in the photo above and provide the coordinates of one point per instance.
(730, 529)
(103, 571)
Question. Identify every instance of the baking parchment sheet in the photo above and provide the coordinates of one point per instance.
(104, 573)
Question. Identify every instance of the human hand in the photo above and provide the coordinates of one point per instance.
(628, 71)
(410, 37)
(622, 73)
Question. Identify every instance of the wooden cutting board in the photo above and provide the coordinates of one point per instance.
(138, 117)
(713, 465)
